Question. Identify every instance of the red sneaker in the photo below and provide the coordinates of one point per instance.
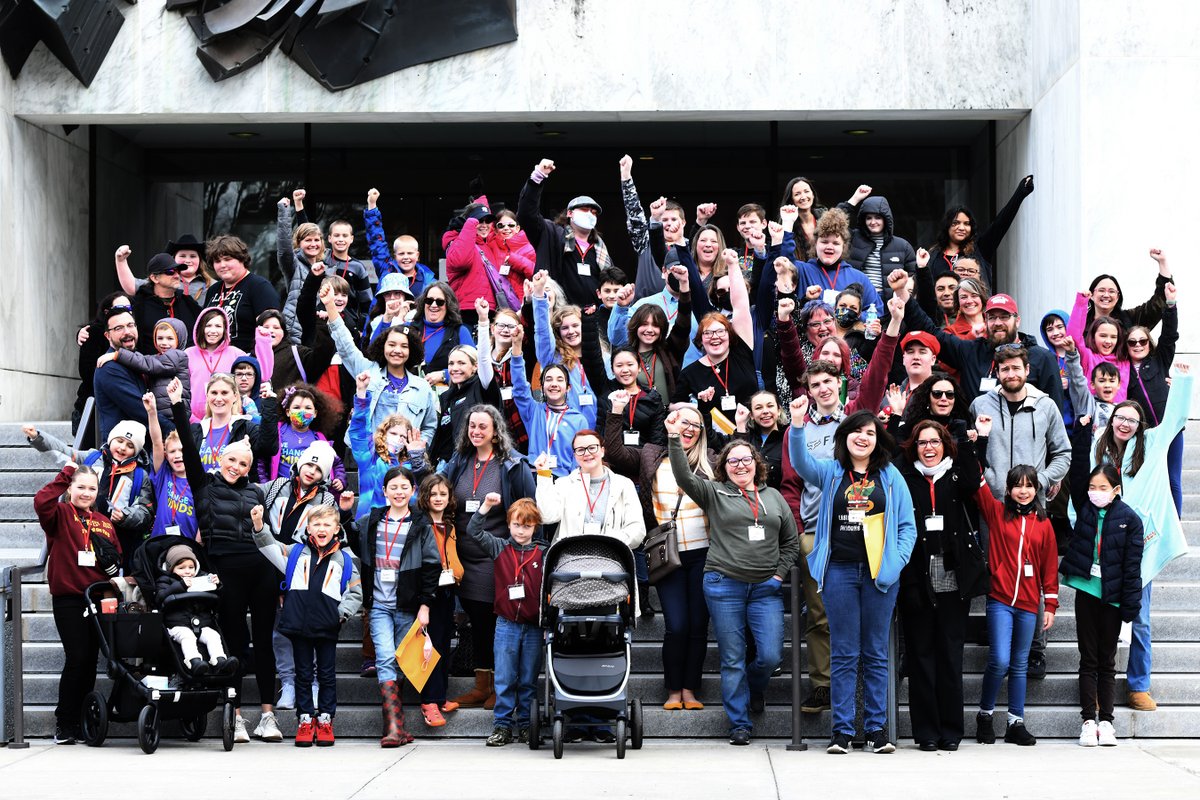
(324, 731)
(306, 731)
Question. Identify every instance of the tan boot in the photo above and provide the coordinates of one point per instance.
(476, 697)
(1142, 701)
(490, 702)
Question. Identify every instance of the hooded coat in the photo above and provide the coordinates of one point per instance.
(1068, 408)
(895, 253)
(163, 367)
(1034, 435)
(203, 363)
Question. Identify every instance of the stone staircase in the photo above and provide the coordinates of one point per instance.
(1051, 703)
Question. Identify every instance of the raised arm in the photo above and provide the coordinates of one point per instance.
(158, 453)
(701, 305)
(529, 204)
(635, 217)
(543, 337)
(125, 276)
(812, 470)
(287, 263)
(353, 359)
(1077, 386)
(192, 464)
(988, 242)
(739, 298)
(381, 254)
(1150, 313)
(484, 331)
(699, 489)
(593, 357)
(680, 337)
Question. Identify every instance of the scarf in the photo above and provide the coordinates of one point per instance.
(934, 473)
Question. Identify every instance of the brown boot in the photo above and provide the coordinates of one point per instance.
(390, 691)
(490, 702)
(1142, 701)
(476, 697)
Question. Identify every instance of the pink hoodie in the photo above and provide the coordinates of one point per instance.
(1088, 358)
(202, 364)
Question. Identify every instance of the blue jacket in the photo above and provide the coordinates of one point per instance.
(535, 416)
(812, 273)
(372, 468)
(900, 527)
(118, 392)
(381, 254)
(577, 384)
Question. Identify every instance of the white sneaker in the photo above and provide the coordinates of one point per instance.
(287, 697)
(268, 728)
(239, 731)
(1107, 735)
(1087, 734)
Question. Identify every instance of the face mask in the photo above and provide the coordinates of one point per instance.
(1024, 508)
(1100, 498)
(302, 417)
(724, 303)
(583, 219)
(846, 317)
(393, 442)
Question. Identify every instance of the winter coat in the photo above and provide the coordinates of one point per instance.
(896, 252)
(1121, 544)
(455, 402)
(1022, 556)
(520, 255)
(420, 562)
(148, 309)
(163, 367)
(581, 395)
(314, 606)
(263, 435)
(538, 417)
(1148, 380)
(465, 271)
(371, 467)
(138, 509)
(182, 612)
(565, 501)
(1035, 435)
(118, 391)
(278, 493)
(557, 252)
(66, 538)
(381, 255)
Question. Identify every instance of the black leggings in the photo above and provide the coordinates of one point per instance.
(441, 631)
(249, 583)
(483, 631)
(81, 646)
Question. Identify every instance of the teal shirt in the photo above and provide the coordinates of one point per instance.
(1091, 584)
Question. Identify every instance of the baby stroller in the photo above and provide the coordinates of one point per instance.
(151, 683)
(588, 610)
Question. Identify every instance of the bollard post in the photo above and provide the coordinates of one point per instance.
(893, 690)
(797, 743)
(18, 666)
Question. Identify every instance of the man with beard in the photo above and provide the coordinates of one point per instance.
(118, 389)
(974, 358)
(162, 296)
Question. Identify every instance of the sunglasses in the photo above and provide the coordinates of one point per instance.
(506, 225)
(1137, 342)
(589, 449)
(436, 302)
(168, 272)
(942, 394)
(1010, 346)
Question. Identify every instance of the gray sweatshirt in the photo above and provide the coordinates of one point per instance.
(1035, 436)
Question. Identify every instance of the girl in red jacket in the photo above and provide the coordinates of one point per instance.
(82, 549)
(1023, 558)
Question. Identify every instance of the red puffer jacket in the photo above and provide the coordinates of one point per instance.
(520, 255)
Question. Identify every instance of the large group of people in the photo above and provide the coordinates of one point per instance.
(809, 390)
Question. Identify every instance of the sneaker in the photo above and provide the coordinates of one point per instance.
(1106, 734)
(324, 730)
(523, 734)
(433, 717)
(758, 702)
(1142, 701)
(1016, 733)
(839, 745)
(878, 742)
(268, 728)
(306, 731)
(63, 735)
(287, 697)
(1087, 734)
(817, 700)
(1037, 667)
(500, 737)
(741, 736)
(985, 731)
(603, 736)
(239, 731)
(367, 670)
(574, 735)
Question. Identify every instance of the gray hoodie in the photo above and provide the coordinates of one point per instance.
(161, 368)
(1035, 435)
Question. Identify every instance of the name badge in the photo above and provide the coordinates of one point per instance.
(1028, 570)
(506, 392)
(584, 268)
(632, 438)
(445, 419)
(551, 461)
(1095, 570)
(934, 522)
(516, 591)
(446, 578)
(387, 576)
(987, 384)
(505, 268)
(856, 515)
(472, 506)
(172, 530)
(757, 533)
(729, 403)
(591, 528)
(829, 296)
(87, 558)
(587, 400)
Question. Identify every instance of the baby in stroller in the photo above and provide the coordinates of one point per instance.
(181, 576)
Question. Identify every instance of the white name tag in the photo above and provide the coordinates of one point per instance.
(202, 584)
(472, 506)
(729, 403)
(586, 400)
(632, 438)
(757, 533)
(934, 522)
(505, 268)
(506, 392)
(829, 296)
(1095, 570)
(87, 558)
(987, 384)
(516, 591)
(446, 578)
(387, 576)
(591, 528)
(1029, 570)
(856, 515)
(172, 530)
(584, 268)
(551, 461)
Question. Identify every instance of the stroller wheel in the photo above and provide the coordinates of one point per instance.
(557, 732)
(228, 719)
(635, 725)
(93, 722)
(535, 725)
(147, 729)
(193, 728)
(622, 735)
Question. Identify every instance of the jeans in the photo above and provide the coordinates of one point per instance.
(734, 605)
(518, 661)
(1137, 672)
(325, 652)
(1010, 630)
(685, 618)
(388, 628)
(1175, 471)
(1098, 625)
(860, 618)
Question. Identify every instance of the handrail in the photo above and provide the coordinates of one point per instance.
(797, 743)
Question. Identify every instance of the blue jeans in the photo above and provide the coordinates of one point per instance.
(860, 618)
(388, 628)
(685, 619)
(1175, 471)
(734, 605)
(1137, 672)
(518, 661)
(1010, 630)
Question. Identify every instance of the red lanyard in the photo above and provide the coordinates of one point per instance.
(345, 266)
(932, 498)
(723, 381)
(582, 382)
(390, 542)
(550, 435)
(225, 291)
(754, 505)
(171, 308)
(836, 272)
(950, 262)
(521, 566)
(633, 401)
(649, 372)
(478, 473)
(425, 337)
(220, 443)
(86, 527)
(591, 504)
(583, 253)
(211, 365)
(670, 315)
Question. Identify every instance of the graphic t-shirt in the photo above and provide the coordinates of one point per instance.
(173, 503)
(857, 495)
(291, 444)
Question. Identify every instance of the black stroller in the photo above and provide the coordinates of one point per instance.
(588, 610)
(151, 683)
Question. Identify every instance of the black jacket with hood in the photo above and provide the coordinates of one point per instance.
(420, 563)
(148, 309)
(896, 253)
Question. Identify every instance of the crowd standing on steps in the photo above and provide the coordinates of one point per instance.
(809, 390)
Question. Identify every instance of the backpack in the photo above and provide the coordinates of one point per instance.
(294, 558)
(136, 477)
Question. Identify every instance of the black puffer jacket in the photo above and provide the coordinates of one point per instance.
(455, 402)
(263, 435)
(420, 563)
(1148, 380)
(896, 253)
(1121, 543)
(223, 508)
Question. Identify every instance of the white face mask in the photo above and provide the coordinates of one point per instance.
(393, 441)
(1100, 498)
(583, 219)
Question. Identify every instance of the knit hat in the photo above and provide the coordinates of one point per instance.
(178, 553)
(319, 453)
(129, 429)
(240, 445)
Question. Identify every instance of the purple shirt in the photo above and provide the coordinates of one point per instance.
(173, 503)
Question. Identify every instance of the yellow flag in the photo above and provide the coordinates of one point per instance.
(722, 423)
(411, 658)
(873, 533)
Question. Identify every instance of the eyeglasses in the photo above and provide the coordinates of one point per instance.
(505, 326)
(436, 302)
(1123, 420)
(588, 449)
(506, 225)
(744, 461)
(928, 444)
(692, 426)
(715, 333)
(128, 326)
(1137, 342)
(942, 394)
(825, 323)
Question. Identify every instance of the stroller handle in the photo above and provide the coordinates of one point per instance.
(611, 577)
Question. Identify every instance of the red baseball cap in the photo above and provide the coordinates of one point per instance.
(921, 338)
(1001, 302)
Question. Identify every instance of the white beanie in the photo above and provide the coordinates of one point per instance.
(129, 429)
(319, 453)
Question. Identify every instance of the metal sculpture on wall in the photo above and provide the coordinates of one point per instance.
(343, 43)
(78, 32)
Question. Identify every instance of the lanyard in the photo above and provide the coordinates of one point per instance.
(666, 296)
(584, 251)
(723, 381)
(225, 291)
(86, 527)
(178, 497)
(836, 272)
(950, 260)
(212, 365)
(633, 401)
(478, 473)
(171, 307)
(932, 498)
(550, 434)
(582, 381)
(216, 451)
(390, 542)
(861, 484)
(521, 566)
(345, 266)
(591, 504)
(649, 371)
(425, 337)
(1136, 370)
(754, 505)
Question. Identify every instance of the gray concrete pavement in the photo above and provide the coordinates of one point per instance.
(662, 769)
